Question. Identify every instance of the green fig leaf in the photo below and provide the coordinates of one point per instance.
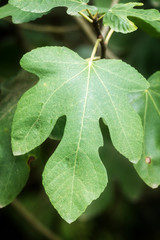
(118, 17)
(18, 15)
(84, 91)
(38, 6)
(147, 104)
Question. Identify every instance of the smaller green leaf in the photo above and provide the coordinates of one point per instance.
(147, 104)
(18, 15)
(118, 168)
(118, 17)
(38, 6)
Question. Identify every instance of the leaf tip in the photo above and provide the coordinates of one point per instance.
(17, 153)
(69, 221)
(2, 205)
(154, 186)
(134, 161)
(140, 4)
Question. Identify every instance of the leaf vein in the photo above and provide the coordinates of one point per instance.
(80, 135)
(114, 107)
(49, 99)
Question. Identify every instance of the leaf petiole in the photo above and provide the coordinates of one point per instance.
(90, 14)
(106, 41)
(95, 49)
(86, 17)
(100, 17)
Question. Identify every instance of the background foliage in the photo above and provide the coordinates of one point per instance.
(127, 209)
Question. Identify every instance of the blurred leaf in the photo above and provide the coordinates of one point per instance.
(117, 17)
(155, 3)
(142, 50)
(39, 6)
(18, 15)
(102, 3)
(147, 104)
(150, 27)
(14, 171)
(102, 6)
(10, 52)
(120, 171)
(99, 205)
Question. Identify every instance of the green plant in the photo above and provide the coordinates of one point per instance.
(73, 94)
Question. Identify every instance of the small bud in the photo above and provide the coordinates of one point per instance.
(30, 159)
(148, 160)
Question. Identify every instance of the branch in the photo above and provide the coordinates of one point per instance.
(90, 35)
(86, 28)
(114, 2)
(33, 221)
(99, 36)
(48, 28)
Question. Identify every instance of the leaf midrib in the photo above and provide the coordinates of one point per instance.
(154, 103)
(80, 135)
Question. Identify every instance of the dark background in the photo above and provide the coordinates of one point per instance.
(128, 209)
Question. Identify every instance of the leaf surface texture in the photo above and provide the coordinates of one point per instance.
(83, 91)
(39, 6)
(18, 15)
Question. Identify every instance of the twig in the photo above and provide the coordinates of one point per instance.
(48, 28)
(86, 28)
(99, 36)
(110, 54)
(90, 34)
(114, 2)
(33, 221)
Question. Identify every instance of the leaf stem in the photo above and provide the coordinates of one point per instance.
(100, 17)
(86, 17)
(111, 31)
(85, 26)
(90, 14)
(36, 224)
(95, 49)
(95, 21)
